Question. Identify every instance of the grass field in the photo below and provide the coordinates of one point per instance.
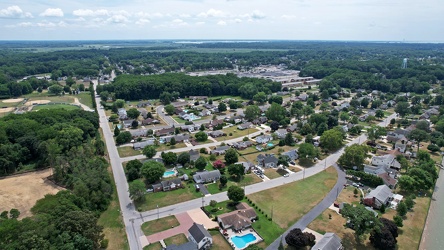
(55, 106)
(128, 151)
(176, 240)
(164, 199)
(290, 202)
(85, 98)
(162, 224)
(235, 133)
(219, 242)
(153, 246)
(274, 173)
(248, 179)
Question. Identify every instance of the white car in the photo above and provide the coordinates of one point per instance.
(286, 175)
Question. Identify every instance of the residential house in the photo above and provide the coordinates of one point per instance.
(397, 135)
(143, 113)
(292, 154)
(127, 123)
(242, 145)
(329, 241)
(190, 128)
(206, 176)
(199, 235)
(388, 179)
(260, 120)
(167, 185)
(263, 138)
(401, 146)
(194, 155)
(138, 133)
(205, 112)
(244, 126)
(387, 161)
(214, 123)
(379, 196)
(178, 111)
(210, 107)
(247, 165)
(281, 133)
(143, 104)
(239, 219)
(264, 108)
(292, 128)
(342, 106)
(122, 114)
(217, 133)
(388, 175)
(429, 113)
(142, 144)
(179, 104)
(177, 138)
(302, 97)
(198, 97)
(149, 121)
(165, 131)
(267, 160)
(220, 150)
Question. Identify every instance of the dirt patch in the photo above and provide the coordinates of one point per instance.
(21, 192)
(14, 100)
(6, 110)
(33, 102)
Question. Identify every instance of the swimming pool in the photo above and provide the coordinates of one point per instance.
(243, 241)
(169, 173)
(270, 144)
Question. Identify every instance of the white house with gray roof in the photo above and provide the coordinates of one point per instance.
(199, 235)
(206, 176)
(329, 241)
(378, 196)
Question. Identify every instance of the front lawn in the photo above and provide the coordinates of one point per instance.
(176, 240)
(247, 180)
(126, 151)
(273, 173)
(153, 246)
(291, 201)
(235, 133)
(162, 224)
(168, 198)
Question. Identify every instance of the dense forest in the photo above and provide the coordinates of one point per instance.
(130, 87)
(68, 142)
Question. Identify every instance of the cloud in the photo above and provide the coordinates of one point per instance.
(222, 23)
(52, 12)
(90, 13)
(212, 13)
(117, 19)
(179, 22)
(255, 15)
(143, 21)
(14, 12)
(288, 17)
(237, 20)
(43, 24)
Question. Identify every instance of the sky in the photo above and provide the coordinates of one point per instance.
(358, 20)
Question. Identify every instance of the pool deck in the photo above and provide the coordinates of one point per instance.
(232, 233)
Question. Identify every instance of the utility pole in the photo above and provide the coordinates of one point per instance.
(157, 211)
(203, 201)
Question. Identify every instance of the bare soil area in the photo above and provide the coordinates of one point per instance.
(32, 102)
(22, 191)
(6, 110)
(14, 100)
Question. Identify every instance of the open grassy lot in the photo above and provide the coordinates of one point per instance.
(176, 240)
(248, 179)
(291, 201)
(168, 198)
(153, 246)
(274, 173)
(235, 133)
(219, 242)
(410, 234)
(55, 106)
(162, 224)
(128, 151)
(85, 98)
(112, 223)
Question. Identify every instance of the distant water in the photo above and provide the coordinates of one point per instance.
(433, 239)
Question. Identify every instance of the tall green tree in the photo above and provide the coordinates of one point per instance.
(231, 156)
(149, 151)
(137, 190)
(200, 163)
(235, 193)
(252, 112)
(354, 155)
(331, 139)
(152, 171)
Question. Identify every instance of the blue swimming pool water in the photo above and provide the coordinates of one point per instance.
(168, 173)
(270, 144)
(242, 241)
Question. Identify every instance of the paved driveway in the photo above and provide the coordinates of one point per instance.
(203, 189)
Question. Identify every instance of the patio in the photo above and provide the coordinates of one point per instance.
(228, 233)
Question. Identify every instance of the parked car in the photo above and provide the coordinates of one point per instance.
(286, 175)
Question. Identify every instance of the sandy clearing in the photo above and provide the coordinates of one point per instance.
(6, 110)
(13, 100)
(32, 102)
(23, 191)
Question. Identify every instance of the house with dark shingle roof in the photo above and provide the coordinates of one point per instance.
(199, 235)
(220, 150)
(238, 219)
(292, 154)
(142, 144)
(206, 176)
(378, 196)
(267, 160)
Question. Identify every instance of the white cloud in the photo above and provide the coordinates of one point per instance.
(14, 12)
(43, 24)
(24, 24)
(200, 23)
(237, 20)
(52, 12)
(288, 17)
(88, 12)
(143, 21)
(222, 23)
(257, 14)
(117, 19)
(178, 22)
(212, 13)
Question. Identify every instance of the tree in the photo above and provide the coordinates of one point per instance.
(283, 160)
(289, 141)
(260, 97)
(169, 109)
(252, 112)
(276, 99)
(344, 116)
(274, 125)
(14, 213)
(201, 136)
(133, 113)
(236, 170)
(200, 163)
(202, 127)
(120, 103)
(136, 190)
(173, 141)
(69, 81)
(231, 156)
(235, 193)
(307, 151)
(433, 148)
(152, 171)
(133, 170)
(331, 139)
(169, 158)
(296, 238)
(218, 164)
(149, 151)
(385, 237)
(423, 125)
(123, 137)
(402, 108)
(134, 124)
(401, 209)
(276, 112)
(365, 102)
(116, 131)
(374, 132)
(55, 89)
(183, 158)
(409, 203)
(222, 107)
(223, 180)
(379, 114)
(360, 219)
(418, 135)
(398, 220)
(354, 155)
(165, 98)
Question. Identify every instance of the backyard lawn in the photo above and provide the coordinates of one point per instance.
(164, 199)
(219, 242)
(162, 224)
(235, 133)
(126, 151)
(176, 240)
